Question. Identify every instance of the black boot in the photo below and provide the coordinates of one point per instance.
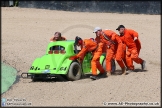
(143, 65)
(103, 75)
(94, 77)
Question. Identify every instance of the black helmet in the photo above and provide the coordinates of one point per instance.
(78, 40)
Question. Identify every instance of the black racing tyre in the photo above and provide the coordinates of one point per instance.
(75, 72)
(113, 65)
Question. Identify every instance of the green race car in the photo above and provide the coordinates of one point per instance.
(56, 63)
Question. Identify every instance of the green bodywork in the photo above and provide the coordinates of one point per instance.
(60, 63)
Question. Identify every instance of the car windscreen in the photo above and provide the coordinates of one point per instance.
(57, 49)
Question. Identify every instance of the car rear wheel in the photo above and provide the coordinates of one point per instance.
(113, 65)
(75, 72)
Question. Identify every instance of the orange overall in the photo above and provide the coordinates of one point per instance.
(124, 50)
(53, 39)
(133, 48)
(91, 46)
(112, 50)
(97, 39)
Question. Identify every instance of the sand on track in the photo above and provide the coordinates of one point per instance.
(25, 36)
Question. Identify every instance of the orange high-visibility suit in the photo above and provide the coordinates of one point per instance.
(97, 39)
(133, 48)
(112, 50)
(90, 45)
(62, 39)
(124, 50)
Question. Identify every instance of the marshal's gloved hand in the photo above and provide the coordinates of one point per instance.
(73, 57)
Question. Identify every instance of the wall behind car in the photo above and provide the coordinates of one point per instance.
(136, 7)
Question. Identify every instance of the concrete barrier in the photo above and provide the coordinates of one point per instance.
(135, 7)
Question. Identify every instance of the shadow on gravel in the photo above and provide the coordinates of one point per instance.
(118, 72)
(49, 80)
(55, 79)
(86, 76)
(139, 70)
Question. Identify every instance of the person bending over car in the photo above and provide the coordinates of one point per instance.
(57, 37)
(90, 45)
(113, 48)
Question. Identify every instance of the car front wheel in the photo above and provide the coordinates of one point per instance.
(75, 72)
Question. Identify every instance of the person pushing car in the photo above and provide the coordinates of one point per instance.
(113, 48)
(90, 45)
(130, 38)
(57, 37)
